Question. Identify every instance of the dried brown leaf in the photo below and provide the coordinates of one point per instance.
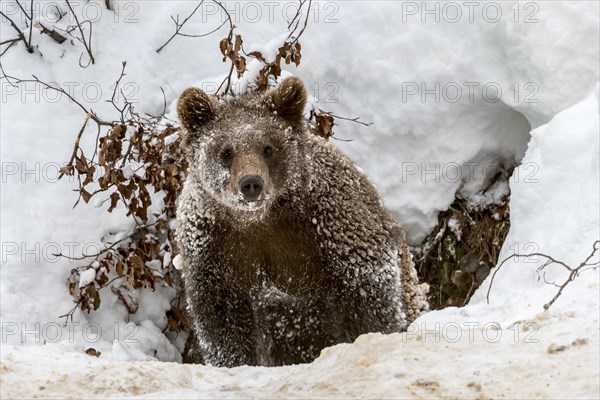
(67, 170)
(258, 55)
(238, 44)
(92, 352)
(85, 195)
(114, 199)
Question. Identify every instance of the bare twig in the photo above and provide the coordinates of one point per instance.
(5, 76)
(30, 21)
(179, 26)
(86, 43)
(59, 89)
(355, 119)
(227, 79)
(20, 34)
(11, 41)
(321, 123)
(109, 248)
(297, 37)
(127, 104)
(341, 140)
(204, 34)
(69, 315)
(59, 12)
(76, 146)
(574, 272)
(29, 17)
(57, 37)
(296, 17)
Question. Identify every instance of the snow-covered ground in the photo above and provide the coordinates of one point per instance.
(552, 362)
(390, 63)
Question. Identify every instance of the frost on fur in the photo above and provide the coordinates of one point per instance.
(286, 245)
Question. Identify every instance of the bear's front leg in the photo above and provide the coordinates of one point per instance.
(295, 328)
(223, 317)
(368, 300)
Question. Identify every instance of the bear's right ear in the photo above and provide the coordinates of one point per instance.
(194, 109)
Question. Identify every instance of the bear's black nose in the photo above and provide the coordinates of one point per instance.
(251, 187)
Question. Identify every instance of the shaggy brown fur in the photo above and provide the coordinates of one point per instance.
(286, 244)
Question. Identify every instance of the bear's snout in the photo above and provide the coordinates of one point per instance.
(250, 179)
(251, 186)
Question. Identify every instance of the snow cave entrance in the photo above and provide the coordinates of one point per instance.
(464, 246)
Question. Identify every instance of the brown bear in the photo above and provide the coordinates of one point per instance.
(286, 246)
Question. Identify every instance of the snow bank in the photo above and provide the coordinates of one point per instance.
(554, 211)
(549, 359)
(430, 87)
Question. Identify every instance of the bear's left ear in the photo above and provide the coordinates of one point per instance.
(195, 108)
(288, 99)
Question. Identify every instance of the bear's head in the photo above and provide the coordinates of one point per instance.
(246, 153)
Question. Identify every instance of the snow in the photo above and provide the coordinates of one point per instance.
(87, 277)
(572, 193)
(523, 364)
(178, 262)
(366, 64)
(455, 227)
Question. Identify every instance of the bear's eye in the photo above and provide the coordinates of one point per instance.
(268, 151)
(227, 154)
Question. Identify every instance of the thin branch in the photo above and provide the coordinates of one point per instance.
(127, 104)
(231, 26)
(59, 89)
(20, 33)
(59, 13)
(296, 18)
(573, 271)
(76, 146)
(356, 119)
(22, 9)
(228, 80)
(342, 140)
(87, 44)
(30, 17)
(179, 26)
(164, 101)
(98, 131)
(5, 76)
(30, 21)
(304, 27)
(204, 34)
(111, 247)
(69, 315)
(9, 41)
(12, 42)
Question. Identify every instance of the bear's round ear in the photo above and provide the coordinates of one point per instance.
(195, 108)
(288, 99)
